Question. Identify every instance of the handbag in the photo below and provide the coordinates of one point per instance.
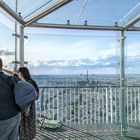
(25, 94)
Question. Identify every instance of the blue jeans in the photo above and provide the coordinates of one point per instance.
(9, 128)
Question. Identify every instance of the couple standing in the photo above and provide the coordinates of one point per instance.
(12, 122)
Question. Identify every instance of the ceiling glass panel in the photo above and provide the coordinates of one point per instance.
(6, 19)
(11, 4)
(137, 24)
(34, 7)
(95, 12)
(7, 50)
(30, 8)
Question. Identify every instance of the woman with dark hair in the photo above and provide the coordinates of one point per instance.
(28, 118)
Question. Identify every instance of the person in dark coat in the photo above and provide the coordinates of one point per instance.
(9, 112)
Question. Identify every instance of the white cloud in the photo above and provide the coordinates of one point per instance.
(86, 48)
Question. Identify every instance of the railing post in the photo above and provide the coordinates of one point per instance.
(123, 101)
(21, 46)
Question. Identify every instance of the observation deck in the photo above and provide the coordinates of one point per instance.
(87, 113)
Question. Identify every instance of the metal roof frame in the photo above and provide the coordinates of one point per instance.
(79, 27)
(132, 22)
(33, 22)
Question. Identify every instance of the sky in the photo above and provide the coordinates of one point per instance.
(55, 51)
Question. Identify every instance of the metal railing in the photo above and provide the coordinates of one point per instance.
(87, 105)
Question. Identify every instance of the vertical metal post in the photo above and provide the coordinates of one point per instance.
(15, 67)
(66, 97)
(123, 94)
(21, 46)
(107, 109)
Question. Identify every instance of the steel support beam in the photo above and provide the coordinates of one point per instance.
(80, 27)
(21, 46)
(135, 29)
(132, 22)
(123, 95)
(7, 9)
(48, 11)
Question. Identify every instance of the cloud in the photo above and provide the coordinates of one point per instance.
(95, 65)
(99, 61)
(100, 64)
(6, 53)
(67, 48)
(74, 66)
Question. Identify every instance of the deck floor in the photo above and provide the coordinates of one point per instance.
(89, 132)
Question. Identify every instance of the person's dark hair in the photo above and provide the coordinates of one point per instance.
(25, 72)
(1, 63)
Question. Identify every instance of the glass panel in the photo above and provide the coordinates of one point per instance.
(7, 50)
(101, 13)
(72, 52)
(133, 53)
(11, 4)
(30, 8)
(137, 24)
(6, 20)
(33, 7)
(8, 39)
(94, 12)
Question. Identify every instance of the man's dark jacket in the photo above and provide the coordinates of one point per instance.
(8, 107)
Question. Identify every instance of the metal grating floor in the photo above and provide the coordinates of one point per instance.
(89, 132)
